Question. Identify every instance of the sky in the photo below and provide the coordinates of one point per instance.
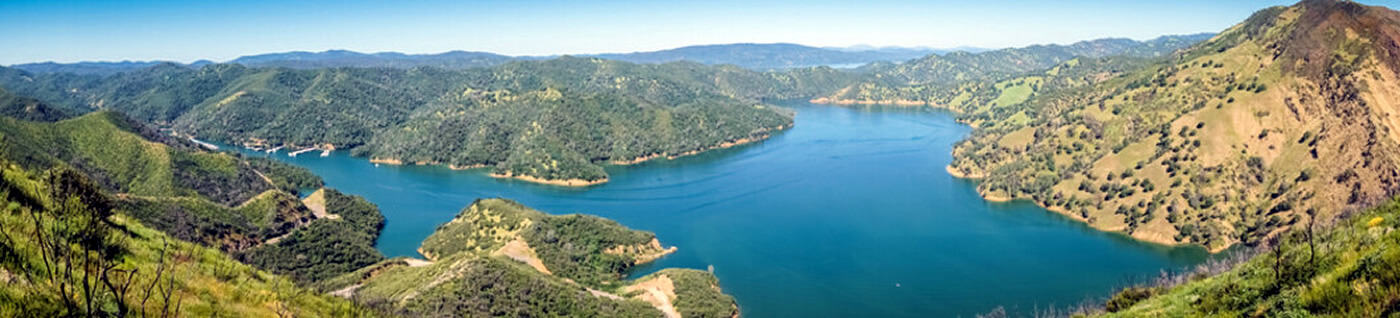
(185, 31)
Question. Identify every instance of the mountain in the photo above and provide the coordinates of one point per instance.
(764, 56)
(1281, 118)
(991, 66)
(497, 253)
(554, 121)
(962, 77)
(29, 109)
(343, 58)
(911, 52)
(86, 68)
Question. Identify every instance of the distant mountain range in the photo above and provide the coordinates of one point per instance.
(343, 58)
(769, 56)
(747, 55)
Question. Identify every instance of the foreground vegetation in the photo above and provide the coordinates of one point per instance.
(219, 200)
(1351, 270)
(64, 251)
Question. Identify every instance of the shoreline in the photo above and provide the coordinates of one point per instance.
(765, 134)
(848, 102)
(387, 161)
(1061, 211)
(557, 182)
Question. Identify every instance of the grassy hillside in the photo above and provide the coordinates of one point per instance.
(1224, 143)
(1351, 270)
(65, 252)
(214, 198)
(498, 257)
(247, 206)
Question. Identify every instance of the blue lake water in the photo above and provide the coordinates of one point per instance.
(850, 213)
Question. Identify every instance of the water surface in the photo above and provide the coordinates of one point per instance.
(850, 213)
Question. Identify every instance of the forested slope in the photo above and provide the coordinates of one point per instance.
(548, 120)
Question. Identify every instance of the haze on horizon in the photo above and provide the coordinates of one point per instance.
(81, 30)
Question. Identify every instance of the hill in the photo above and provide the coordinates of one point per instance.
(243, 206)
(343, 58)
(549, 121)
(66, 251)
(1349, 270)
(775, 56)
(498, 257)
(24, 108)
(920, 81)
(86, 68)
(1232, 140)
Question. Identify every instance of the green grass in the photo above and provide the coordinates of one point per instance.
(1016, 92)
(1352, 270)
(166, 275)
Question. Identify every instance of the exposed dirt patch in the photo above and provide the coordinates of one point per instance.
(520, 251)
(658, 292)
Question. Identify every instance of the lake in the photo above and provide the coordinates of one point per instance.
(849, 213)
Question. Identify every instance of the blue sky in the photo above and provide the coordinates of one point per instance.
(184, 31)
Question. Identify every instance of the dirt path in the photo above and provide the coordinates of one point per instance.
(520, 251)
(414, 262)
(658, 292)
(316, 202)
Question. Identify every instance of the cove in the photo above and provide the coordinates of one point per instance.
(849, 213)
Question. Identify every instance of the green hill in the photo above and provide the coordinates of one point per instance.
(29, 109)
(218, 199)
(496, 252)
(65, 251)
(559, 119)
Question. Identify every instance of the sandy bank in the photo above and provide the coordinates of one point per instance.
(762, 134)
(564, 182)
(466, 167)
(896, 102)
(959, 174)
(387, 161)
